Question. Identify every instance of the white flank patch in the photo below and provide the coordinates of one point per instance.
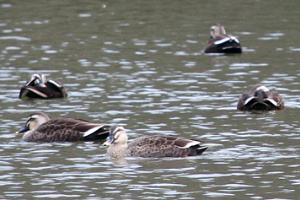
(37, 92)
(190, 144)
(54, 83)
(91, 131)
(222, 41)
(226, 39)
(263, 88)
(235, 39)
(248, 100)
(272, 101)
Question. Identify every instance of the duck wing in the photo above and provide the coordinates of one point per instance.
(33, 92)
(69, 130)
(57, 89)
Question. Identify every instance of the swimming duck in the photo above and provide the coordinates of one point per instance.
(220, 42)
(40, 128)
(39, 87)
(260, 98)
(150, 146)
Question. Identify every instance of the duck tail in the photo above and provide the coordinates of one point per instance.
(201, 149)
(97, 133)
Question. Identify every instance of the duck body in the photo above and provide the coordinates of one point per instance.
(260, 98)
(164, 146)
(220, 42)
(39, 87)
(40, 128)
(156, 146)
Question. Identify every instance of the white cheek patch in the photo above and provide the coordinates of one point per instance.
(263, 88)
(272, 101)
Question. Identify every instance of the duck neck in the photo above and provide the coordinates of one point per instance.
(27, 135)
(117, 151)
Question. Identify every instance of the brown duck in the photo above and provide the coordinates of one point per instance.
(40, 128)
(220, 42)
(39, 87)
(151, 146)
(260, 98)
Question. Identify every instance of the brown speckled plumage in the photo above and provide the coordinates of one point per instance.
(151, 146)
(62, 129)
(163, 146)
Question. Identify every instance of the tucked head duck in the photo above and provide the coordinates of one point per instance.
(260, 98)
(151, 146)
(39, 87)
(220, 42)
(40, 128)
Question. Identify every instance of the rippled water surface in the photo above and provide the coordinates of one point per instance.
(140, 64)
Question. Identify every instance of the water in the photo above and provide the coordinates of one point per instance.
(140, 64)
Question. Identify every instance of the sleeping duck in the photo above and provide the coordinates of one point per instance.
(39, 87)
(150, 146)
(40, 128)
(260, 98)
(220, 42)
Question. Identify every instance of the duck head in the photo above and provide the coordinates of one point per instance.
(34, 121)
(217, 31)
(117, 135)
(37, 79)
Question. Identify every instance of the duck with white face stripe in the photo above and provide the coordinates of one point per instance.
(156, 146)
(260, 98)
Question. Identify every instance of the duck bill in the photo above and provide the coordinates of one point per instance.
(107, 143)
(23, 130)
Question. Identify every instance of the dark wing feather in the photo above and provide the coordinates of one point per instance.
(33, 92)
(57, 89)
(241, 102)
(42, 92)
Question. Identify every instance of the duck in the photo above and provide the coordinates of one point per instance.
(220, 42)
(260, 98)
(40, 128)
(155, 146)
(39, 87)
